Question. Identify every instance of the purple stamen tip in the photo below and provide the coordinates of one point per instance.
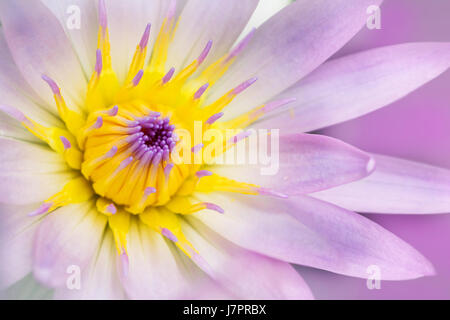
(145, 37)
(168, 234)
(243, 86)
(157, 159)
(13, 113)
(215, 207)
(201, 263)
(214, 118)
(103, 19)
(41, 210)
(124, 262)
(197, 148)
(154, 114)
(66, 143)
(205, 52)
(201, 91)
(125, 163)
(111, 153)
(98, 62)
(203, 173)
(138, 77)
(51, 83)
(149, 190)
(98, 123)
(167, 169)
(168, 76)
(111, 208)
(113, 111)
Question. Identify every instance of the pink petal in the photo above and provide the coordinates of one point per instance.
(67, 237)
(30, 173)
(246, 274)
(290, 45)
(396, 186)
(354, 85)
(306, 163)
(39, 46)
(310, 232)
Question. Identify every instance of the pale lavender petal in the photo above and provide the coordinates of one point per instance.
(245, 274)
(219, 21)
(67, 237)
(354, 85)
(306, 163)
(396, 186)
(16, 242)
(18, 93)
(30, 173)
(39, 46)
(310, 232)
(100, 279)
(289, 46)
(83, 36)
(153, 269)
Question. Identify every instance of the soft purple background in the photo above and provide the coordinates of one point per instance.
(416, 127)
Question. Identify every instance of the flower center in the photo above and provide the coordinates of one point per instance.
(157, 136)
(127, 156)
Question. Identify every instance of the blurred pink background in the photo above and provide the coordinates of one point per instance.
(418, 128)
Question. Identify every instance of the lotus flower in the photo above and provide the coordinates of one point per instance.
(88, 133)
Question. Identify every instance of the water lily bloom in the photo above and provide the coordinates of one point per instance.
(89, 119)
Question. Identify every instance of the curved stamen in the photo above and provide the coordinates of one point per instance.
(144, 40)
(201, 91)
(137, 78)
(214, 118)
(168, 76)
(203, 173)
(168, 234)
